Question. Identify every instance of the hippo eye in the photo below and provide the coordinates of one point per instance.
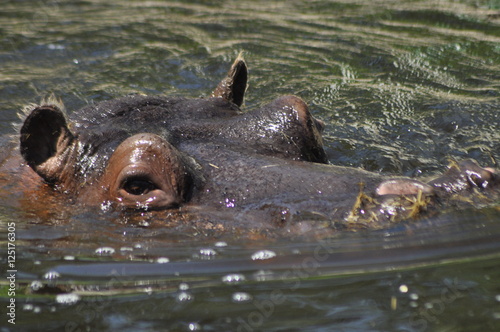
(138, 186)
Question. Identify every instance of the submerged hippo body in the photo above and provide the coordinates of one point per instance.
(147, 153)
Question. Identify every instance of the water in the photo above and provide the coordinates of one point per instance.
(404, 87)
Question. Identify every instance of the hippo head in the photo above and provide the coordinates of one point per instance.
(151, 152)
(157, 152)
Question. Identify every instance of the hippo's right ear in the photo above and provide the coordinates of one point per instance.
(234, 85)
(45, 137)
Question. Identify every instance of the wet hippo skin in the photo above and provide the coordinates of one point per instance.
(156, 152)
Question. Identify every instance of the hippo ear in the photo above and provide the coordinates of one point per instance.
(233, 87)
(45, 137)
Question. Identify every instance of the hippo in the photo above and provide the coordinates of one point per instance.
(147, 153)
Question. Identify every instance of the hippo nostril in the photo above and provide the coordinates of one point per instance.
(138, 186)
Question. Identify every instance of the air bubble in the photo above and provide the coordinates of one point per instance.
(55, 47)
(51, 275)
(194, 327)
(105, 251)
(70, 298)
(233, 278)
(208, 252)
(241, 297)
(263, 275)
(36, 285)
(184, 297)
(263, 254)
(162, 260)
(28, 307)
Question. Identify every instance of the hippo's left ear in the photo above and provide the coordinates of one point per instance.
(233, 87)
(45, 138)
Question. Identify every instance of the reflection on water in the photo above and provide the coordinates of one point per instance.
(404, 86)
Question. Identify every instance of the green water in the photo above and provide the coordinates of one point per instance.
(404, 86)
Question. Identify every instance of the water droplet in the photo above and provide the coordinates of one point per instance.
(230, 202)
(233, 278)
(162, 260)
(51, 275)
(220, 244)
(144, 223)
(263, 254)
(241, 297)
(70, 298)
(105, 251)
(184, 297)
(106, 206)
(69, 258)
(414, 296)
